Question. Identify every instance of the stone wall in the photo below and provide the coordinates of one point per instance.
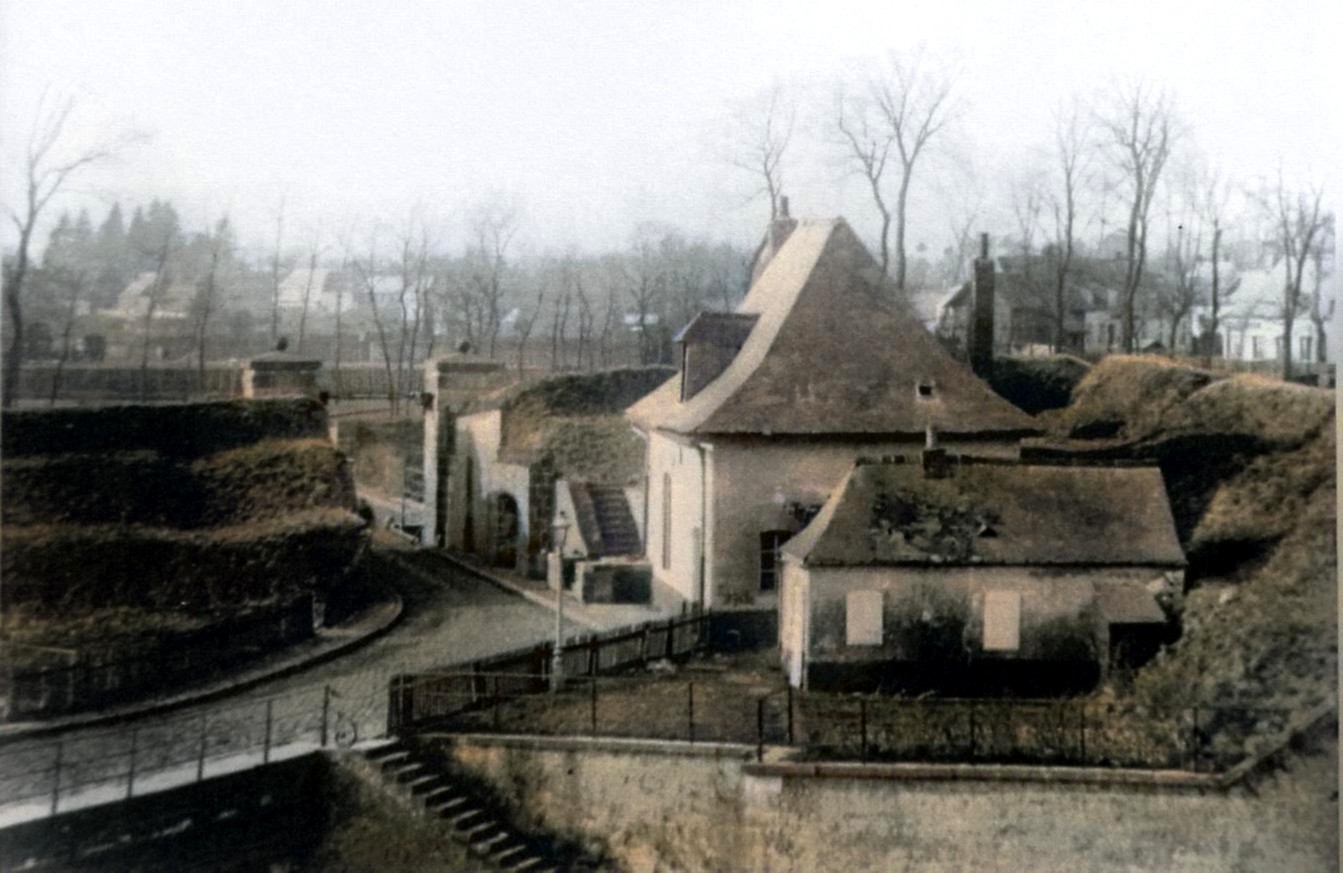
(672, 807)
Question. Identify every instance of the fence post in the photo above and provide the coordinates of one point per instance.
(1193, 739)
(593, 682)
(130, 773)
(265, 748)
(690, 710)
(56, 782)
(790, 714)
(669, 648)
(643, 647)
(200, 760)
(326, 711)
(496, 702)
(1082, 733)
(862, 730)
(972, 730)
(760, 729)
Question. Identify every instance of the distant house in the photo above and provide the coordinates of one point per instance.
(938, 572)
(1250, 323)
(1023, 309)
(773, 403)
(324, 289)
(170, 303)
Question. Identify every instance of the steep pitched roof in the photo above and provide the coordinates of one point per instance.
(890, 514)
(831, 353)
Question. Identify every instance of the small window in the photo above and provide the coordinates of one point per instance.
(771, 562)
(862, 618)
(924, 390)
(1307, 346)
(1002, 621)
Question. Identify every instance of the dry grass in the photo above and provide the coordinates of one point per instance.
(1134, 393)
(1250, 464)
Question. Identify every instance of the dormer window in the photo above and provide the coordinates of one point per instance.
(924, 389)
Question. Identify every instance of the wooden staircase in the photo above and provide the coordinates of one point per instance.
(476, 820)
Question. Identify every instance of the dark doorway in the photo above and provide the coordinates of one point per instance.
(504, 531)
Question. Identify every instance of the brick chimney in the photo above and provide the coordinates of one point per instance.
(981, 312)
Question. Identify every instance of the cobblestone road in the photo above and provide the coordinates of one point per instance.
(450, 618)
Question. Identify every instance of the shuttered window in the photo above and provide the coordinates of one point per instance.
(1002, 621)
(862, 618)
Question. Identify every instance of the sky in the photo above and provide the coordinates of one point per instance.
(597, 116)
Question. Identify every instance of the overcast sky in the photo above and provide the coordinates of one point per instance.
(599, 115)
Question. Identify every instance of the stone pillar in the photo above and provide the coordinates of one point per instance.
(279, 374)
(981, 313)
(448, 381)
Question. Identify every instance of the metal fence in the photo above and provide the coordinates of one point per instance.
(696, 706)
(420, 701)
(40, 777)
(90, 680)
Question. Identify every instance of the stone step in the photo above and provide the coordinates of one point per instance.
(487, 845)
(444, 808)
(508, 854)
(383, 752)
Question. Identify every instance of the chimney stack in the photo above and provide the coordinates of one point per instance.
(981, 314)
(936, 463)
(779, 230)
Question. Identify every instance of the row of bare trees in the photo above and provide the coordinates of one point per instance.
(1114, 152)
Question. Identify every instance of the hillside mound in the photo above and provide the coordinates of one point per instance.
(576, 422)
(1037, 384)
(191, 509)
(1249, 464)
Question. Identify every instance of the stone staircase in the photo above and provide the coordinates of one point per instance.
(619, 533)
(476, 820)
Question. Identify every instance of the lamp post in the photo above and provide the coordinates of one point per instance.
(559, 529)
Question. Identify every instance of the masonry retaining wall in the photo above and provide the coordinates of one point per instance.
(673, 807)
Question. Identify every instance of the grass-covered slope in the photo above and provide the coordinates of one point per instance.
(104, 511)
(1250, 467)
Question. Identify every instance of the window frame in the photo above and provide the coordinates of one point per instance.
(775, 539)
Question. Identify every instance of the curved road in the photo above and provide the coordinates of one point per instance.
(450, 617)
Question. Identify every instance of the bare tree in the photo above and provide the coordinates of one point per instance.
(74, 283)
(165, 247)
(276, 274)
(586, 317)
(560, 319)
(493, 225)
(759, 133)
(1299, 223)
(868, 145)
(1139, 129)
(221, 246)
(646, 284)
(314, 255)
(527, 322)
(1322, 304)
(1071, 135)
(905, 107)
(366, 271)
(45, 175)
(1180, 292)
(1215, 194)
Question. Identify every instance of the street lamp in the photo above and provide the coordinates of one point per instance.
(559, 529)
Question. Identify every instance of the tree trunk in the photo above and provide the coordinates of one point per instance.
(901, 265)
(14, 306)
